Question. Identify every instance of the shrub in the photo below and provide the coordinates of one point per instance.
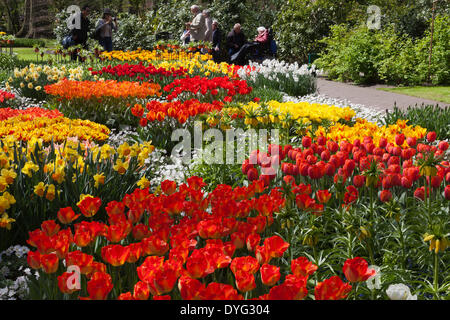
(301, 23)
(28, 43)
(440, 61)
(135, 32)
(368, 56)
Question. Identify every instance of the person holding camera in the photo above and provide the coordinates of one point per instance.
(104, 30)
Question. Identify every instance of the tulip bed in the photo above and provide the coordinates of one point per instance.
(340, 208)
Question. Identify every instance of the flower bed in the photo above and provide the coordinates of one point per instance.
(26, 126)
(219, 88)
(206, 254)
(288, 78)
(140, 73)
(30, 113)
(107, 102)
(31, 80)
(36, 179)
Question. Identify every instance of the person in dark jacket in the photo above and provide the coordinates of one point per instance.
(235, 40)
(216, 40)
(80, 36)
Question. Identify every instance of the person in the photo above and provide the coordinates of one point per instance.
(261, 40)
(197, 27)
(80, 36)
(208, 25)
(216, 39)
(105, 27)
(235, 40)
(186, 36)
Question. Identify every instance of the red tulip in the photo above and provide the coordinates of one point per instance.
(50, 227)
(323, 196)
(115, 254)
(400, 139)
(67, 215)
(34, 259)
(431, 136)
(49, 262)
(356, 270)
(302, 267)
(168, 187)
(191, 289)
(306, 141)
(63, 281)
(385, 195)
(245, 281)
(443, 145)
(332, 289)
(99, 286)
(269, 274)
(447, 192)
(89, 206)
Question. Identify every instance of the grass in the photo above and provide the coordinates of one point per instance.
(441, 93)
(28, 54)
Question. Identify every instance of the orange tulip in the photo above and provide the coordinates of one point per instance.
(115, 254)
(67, 215)
(99, 286)
(270, 274)
(49, 262)
(89, 206)
(302, 267)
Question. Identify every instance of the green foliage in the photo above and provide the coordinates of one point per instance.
(28, 43)
(440, 62)
(301, 23)
(432, 117)
(368, 56)
(135, 32)
(7, 61)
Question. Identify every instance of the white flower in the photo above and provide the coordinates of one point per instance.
(400, 291)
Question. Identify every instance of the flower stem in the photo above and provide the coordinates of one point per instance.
(436, 274)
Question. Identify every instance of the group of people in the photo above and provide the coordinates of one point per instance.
(103, 30)
(203, 28)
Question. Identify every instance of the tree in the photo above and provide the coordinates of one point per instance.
(38, 19)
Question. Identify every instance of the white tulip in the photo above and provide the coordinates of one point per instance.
(400, 292)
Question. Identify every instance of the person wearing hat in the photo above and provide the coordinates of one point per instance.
(105, 28)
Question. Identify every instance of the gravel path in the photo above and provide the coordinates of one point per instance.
(369, 96)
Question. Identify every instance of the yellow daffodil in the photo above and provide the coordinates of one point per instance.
(39, 189)
(99, 179)
(143, 183)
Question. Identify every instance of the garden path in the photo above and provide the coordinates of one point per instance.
(369, 96)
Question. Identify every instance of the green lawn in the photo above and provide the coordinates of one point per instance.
(441, 94)
(29, 54)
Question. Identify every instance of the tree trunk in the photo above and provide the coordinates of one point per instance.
(26, 21)
(38, 21)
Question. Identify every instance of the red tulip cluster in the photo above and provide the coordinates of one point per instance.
(173, 243)
(29, 114)
(5, 95)
(181, 111)
(139, 72)
(330, 162)
(197, 84)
